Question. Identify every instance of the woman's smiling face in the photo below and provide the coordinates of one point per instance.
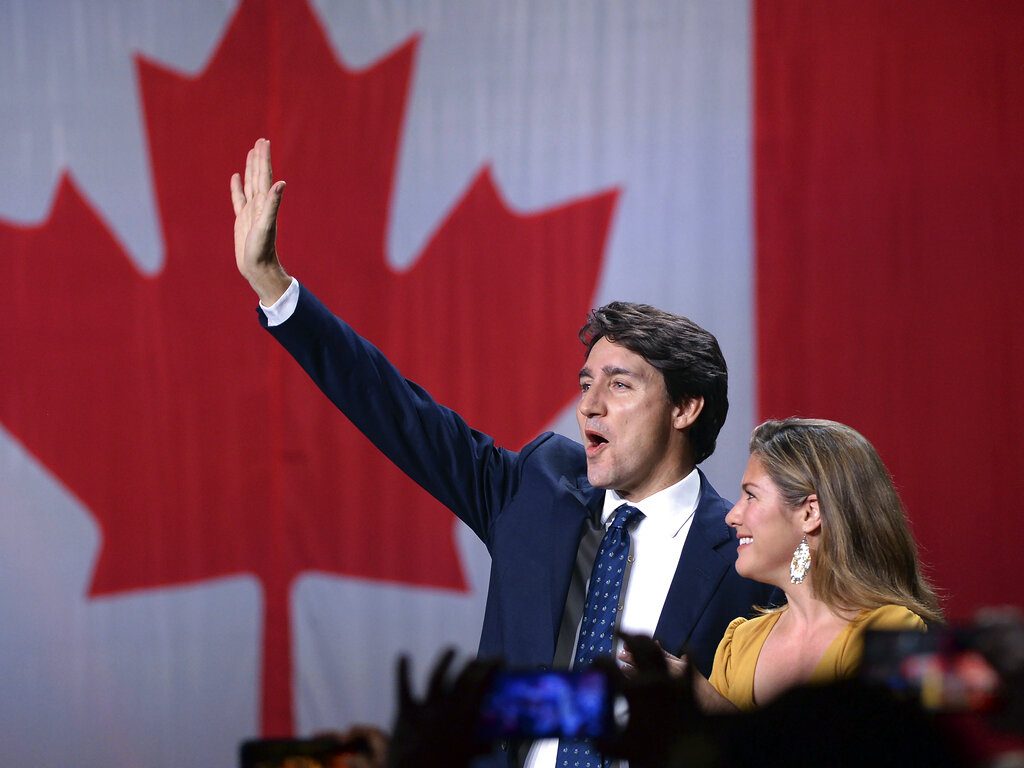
(768, 529)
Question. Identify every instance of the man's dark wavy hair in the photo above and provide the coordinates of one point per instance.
(687, 355)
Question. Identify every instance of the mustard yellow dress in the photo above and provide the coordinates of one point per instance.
(736, 658)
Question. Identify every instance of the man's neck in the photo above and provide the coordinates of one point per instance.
(681, 497)
(655, 486)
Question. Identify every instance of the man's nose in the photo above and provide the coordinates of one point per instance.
(591, 403)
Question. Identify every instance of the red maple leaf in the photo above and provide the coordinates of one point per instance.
(201, 449)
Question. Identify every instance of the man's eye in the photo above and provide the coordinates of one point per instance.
(584, 386)
(750, 496)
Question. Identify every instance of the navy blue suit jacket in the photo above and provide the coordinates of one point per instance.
(529, 507)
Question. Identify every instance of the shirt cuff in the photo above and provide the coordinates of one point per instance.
(284, 307)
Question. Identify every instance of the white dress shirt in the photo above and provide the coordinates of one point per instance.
(656, 545)
(284, 307)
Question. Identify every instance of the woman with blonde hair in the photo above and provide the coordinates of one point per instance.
(820, 519)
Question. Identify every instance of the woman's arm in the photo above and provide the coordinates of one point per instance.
(705, 694)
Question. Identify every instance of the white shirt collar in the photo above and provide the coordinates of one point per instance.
(668, 510)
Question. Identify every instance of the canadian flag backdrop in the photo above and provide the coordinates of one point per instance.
(197, 549)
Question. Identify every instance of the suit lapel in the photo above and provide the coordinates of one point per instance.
(700, 570)
(588, 496)
(565, 539)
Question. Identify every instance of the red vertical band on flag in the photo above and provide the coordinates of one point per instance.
(890, 234)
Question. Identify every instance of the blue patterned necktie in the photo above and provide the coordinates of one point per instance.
(598, 627)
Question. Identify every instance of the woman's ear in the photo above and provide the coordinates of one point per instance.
(811, 515)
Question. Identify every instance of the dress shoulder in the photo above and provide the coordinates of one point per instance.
(843, 657)
(736, 658)
(890, 617)
(721, 669)
(725, 646)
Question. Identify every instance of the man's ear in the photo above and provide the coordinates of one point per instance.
(811, 514)
(684, 414)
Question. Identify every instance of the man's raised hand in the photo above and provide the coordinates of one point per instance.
(256, 200)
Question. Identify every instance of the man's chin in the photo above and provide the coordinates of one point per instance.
(598, 479)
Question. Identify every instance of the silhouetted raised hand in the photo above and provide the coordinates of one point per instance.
(439, 729)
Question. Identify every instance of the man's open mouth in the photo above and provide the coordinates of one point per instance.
(595, 441)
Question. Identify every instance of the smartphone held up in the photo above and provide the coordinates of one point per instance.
(539, 704)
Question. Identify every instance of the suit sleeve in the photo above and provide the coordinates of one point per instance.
(459, 466)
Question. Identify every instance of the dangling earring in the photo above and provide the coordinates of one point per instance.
(801, 562)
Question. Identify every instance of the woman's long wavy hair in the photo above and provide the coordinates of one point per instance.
(866, 556)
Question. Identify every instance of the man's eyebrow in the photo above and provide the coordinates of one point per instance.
(609, 370)
(615, 370)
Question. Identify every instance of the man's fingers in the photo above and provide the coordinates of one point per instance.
(257, 181)
(261, 178)
(268, 214)
(237, 195)
(627, 664)
(269, 168)
(250, 162)
(677, 666)
(647, 654)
